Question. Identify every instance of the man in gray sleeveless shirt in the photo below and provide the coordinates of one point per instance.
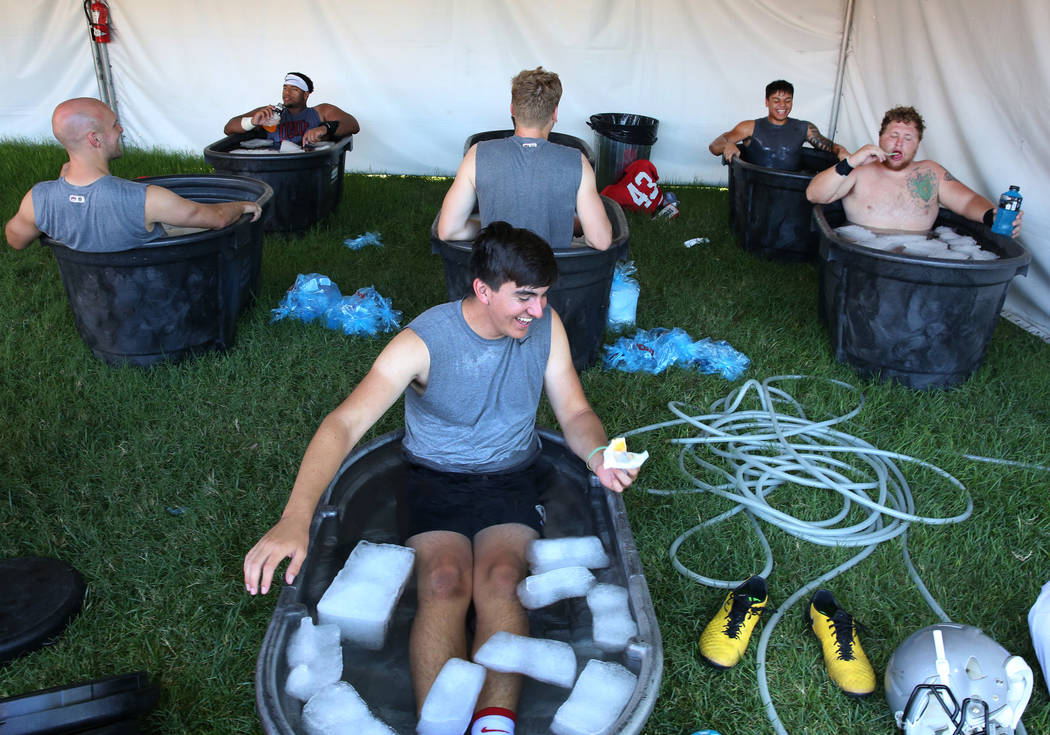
(471, 372)
(88, 209)
(774, 141)
(525, 179)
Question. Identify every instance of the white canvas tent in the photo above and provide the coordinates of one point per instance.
(422, 75)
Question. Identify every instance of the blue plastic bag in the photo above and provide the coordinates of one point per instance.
(623, 296)
(655, 350)
(369, 238)
(364, 312)
(316, 297)
(308, 299)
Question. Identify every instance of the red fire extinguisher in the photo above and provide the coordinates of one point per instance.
(98, 18)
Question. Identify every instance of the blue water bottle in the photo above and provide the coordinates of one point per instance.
(1009, 206)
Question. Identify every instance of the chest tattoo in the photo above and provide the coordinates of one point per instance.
(922, 184)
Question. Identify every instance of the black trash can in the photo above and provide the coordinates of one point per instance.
(581, 293)
(570, 141)
(769, 210)
(307, 186)
(620, 139)
(364, 501)
(923, 322)
(176, 297)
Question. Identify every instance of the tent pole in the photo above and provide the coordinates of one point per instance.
(847, 31)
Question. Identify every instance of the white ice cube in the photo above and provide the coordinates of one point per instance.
(545, 660)
(361, 598)
(611, 617)
(572, 551)
(450, 702)
(338, 709)
(541, 590)
(309, 640)
(597, 700)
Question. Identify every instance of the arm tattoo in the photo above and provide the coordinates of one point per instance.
(923, 185)
(948, 176)
(818, 141)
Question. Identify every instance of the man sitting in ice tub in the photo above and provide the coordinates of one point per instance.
(883, 186)
(774, 141)
(471, 372)
(88, 209)
(525, 179)
(296, 123)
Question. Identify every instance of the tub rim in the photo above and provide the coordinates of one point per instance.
(1017, 257)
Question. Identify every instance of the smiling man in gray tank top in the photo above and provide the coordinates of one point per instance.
(525, 179)
(472, 372)
(774, 141)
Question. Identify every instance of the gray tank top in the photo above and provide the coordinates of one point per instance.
(478, 412)
(530, 183)
(777, 146)
(105, 216)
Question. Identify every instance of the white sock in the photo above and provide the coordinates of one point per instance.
(488, 722)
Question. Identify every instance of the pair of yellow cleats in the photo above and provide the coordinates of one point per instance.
(724, 640)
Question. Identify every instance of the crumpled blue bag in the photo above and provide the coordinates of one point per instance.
(655, 350)
(364, 312)
(314, 297)
(308, 299)
(369, 238)
(623, 296)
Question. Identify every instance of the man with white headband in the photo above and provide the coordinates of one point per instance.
(298, 123)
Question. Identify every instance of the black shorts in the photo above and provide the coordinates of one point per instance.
(467, 503)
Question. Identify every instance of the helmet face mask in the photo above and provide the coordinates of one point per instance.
(951, 679)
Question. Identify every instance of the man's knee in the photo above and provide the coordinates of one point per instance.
(446, 581)
(499, 579)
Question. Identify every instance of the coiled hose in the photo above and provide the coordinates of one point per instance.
(764, 448)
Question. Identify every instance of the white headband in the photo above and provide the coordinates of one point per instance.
(296, 81)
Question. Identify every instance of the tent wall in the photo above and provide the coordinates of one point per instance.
(422, 75)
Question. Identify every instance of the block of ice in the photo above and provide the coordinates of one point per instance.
(305, 680)
(310, 641)
(597, 700)
(338, 709)
(450, 702)
(545, 660)
(546, 554)
(361, 598)
(855, 233)
(611, 617)
(544, 589)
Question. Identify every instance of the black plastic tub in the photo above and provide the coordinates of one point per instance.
(362, 503)
(923, 322)
(769, 211)
(176, 297)
(307, 186)
(581, 293)
(560, 138)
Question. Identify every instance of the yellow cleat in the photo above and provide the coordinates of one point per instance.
(847, 664)
(724, 640)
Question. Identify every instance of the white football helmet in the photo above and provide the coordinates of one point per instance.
(952, 679)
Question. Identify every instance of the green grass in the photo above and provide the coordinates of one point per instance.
(92, 458)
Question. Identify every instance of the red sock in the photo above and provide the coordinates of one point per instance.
(492, 721)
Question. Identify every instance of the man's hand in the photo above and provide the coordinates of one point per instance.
(253, 209)
(262, 115)
(731, 151)
(313, 135)
(867, 154)
(286, 540)
(614, 479)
